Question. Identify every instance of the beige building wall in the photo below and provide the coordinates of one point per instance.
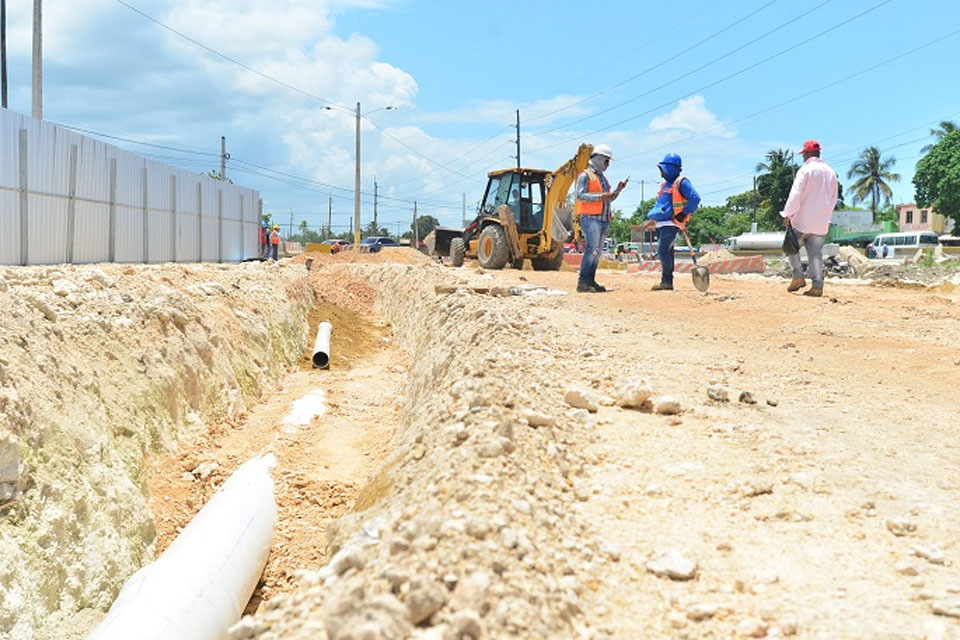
(914, 218)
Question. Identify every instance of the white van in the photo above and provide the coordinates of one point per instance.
(903, 244)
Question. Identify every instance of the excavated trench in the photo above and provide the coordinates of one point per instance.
(320, 463)
(441, 468)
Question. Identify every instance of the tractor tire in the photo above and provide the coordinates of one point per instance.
(551, 263)
(492, 249)
(458, 249)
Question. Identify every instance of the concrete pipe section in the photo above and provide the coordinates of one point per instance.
(321, 346)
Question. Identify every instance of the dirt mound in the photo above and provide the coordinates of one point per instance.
(386, 255)
(717, 255)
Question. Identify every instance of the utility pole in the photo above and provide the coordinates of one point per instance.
(754, 203)
(518, 138)
(375, 226)
(3, 53)
(329, 218)
(356, 189)
(290, 225)
(416, 234)
(37, 111)
(464, 215)
(223, 157)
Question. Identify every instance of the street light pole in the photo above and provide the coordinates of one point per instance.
(37, 106)
(356, 190)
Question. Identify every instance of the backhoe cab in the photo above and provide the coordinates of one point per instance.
(523, 215)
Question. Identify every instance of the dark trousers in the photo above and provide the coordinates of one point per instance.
(667, 238)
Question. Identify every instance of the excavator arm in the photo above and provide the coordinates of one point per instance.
(559, 184)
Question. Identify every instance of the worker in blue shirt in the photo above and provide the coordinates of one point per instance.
(676, 200)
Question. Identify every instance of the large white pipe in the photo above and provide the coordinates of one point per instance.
(321, 346)
(200, 585)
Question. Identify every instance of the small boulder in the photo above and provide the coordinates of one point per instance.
(666, 405)
(633, 393)
(582, 399)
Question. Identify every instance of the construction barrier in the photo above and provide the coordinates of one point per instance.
(751, 264)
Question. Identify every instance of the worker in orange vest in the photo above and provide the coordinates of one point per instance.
(275, 240)
(593, 200)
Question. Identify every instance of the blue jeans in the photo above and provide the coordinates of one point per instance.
(595, 232)
(814, 245)
(666, 238)
(274, 251)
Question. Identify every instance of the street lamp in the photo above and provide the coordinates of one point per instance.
(356, 187)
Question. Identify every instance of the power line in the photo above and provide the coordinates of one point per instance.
(233, 60)
(656, 66)
(734, 74)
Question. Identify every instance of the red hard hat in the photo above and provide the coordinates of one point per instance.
(810, 145)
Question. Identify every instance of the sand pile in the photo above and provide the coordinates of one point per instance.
(717, 255)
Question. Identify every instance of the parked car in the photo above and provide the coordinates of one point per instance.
(373, 244)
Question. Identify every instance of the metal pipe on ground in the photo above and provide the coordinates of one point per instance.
(321, 346)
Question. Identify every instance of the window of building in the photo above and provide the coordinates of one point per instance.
(910, 216)
(923, 216)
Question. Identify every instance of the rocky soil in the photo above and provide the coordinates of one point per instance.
(505, 458)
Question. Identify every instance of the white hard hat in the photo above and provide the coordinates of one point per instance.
(603, 150)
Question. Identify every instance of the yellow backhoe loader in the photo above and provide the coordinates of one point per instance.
(523, 215)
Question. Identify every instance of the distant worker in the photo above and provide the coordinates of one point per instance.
(676, 200)
(264, 244)
(275, 241)
(593, 200)
(808, 210)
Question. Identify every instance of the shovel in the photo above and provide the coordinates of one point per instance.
(701, 276)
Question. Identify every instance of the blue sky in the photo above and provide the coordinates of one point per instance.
(718, 82)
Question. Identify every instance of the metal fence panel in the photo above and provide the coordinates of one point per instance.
(86, 201)
(129, 208)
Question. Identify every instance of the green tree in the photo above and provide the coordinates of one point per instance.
(373, 229)
(773, 185)
(216, 175)
(425, 224)
(945, 127)
(873, 174)
(304, 234)
(937, 181)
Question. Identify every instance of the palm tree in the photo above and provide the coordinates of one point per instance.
(774, 182)
(946, 126)
(776, 160)
(873, 173)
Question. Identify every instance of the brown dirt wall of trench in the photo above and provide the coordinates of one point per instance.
(101, 368)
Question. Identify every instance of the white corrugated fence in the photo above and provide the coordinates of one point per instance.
(67, 198)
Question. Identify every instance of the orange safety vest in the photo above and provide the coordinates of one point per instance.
(679, 202)
(591, 208)
(275, 237)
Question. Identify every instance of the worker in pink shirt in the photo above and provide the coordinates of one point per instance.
(808, 210)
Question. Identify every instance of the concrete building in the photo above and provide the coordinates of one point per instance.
(913, 218)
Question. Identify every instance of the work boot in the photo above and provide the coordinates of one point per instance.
(814, 292)
(599, 287)
(660, 286)
(795, 284)
(586, 287)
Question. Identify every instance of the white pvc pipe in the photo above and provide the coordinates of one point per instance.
(200, 585)
(321, 346)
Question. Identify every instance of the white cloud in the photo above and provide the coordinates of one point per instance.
(692, 115)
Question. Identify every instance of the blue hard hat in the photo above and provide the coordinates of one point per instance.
(672, 158)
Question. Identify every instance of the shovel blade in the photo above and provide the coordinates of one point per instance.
(701, 278)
